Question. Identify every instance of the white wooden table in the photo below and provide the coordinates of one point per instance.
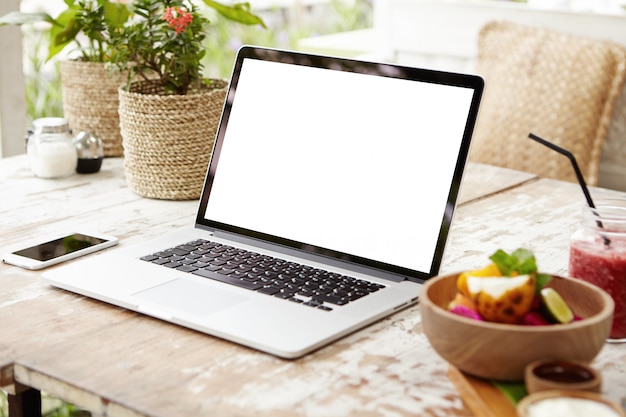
(119, 363)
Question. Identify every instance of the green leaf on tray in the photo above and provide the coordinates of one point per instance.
(514, 391)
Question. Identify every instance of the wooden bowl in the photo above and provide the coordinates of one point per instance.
(523, 407)
(502, 351)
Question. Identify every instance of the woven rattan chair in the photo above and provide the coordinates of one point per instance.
(560, 87)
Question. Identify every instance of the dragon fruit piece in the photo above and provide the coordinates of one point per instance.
(465, 311)
(534, 318)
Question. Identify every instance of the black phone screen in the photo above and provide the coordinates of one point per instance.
(59, 247)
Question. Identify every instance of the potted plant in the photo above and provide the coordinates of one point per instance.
(168, 111)
(84, 29)
(89, 91)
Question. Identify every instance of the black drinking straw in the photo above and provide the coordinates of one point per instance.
(579, 174)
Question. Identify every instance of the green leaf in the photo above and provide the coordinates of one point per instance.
(66, 34)
(505, 262)
(63, 32)
(54, 48)
(526, 261)
(513, 391)
(542, 280)
(521, 261)
(116, 13)
(66, 17)
(19, 18)
(239, 12)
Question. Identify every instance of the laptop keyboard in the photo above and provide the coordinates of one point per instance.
(302, 284)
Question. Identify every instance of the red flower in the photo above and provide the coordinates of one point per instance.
(178, 18)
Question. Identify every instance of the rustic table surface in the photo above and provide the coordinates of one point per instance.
(118, 363)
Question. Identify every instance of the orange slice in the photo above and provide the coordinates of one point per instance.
(490, 270)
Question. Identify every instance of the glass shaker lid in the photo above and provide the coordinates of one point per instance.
(51, 125)
(88, 146)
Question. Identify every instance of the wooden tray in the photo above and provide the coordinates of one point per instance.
(482, 397)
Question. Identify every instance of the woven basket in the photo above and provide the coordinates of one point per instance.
(560, 87)
(90, 101)
(168, 138)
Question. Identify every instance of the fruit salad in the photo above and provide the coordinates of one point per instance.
(510, 290)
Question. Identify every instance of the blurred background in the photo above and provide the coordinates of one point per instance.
(430, 33)
(288, 22)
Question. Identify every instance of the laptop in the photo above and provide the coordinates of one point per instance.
(330, 192)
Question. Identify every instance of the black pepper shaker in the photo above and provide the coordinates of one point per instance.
(90, 152)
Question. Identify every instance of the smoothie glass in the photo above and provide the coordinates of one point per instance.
(598, 255)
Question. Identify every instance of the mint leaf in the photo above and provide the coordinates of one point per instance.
(521, 261)
(505, 262)
(526, 261)
(541, 281)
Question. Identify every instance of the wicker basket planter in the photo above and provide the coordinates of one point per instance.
(168, 139)
(90, 101)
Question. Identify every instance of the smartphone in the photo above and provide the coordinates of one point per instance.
(58, 250)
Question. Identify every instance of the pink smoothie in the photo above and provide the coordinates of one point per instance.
(606, 268)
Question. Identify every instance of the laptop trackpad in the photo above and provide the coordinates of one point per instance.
(188, 297)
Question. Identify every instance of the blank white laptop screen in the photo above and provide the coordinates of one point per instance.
(354, 163)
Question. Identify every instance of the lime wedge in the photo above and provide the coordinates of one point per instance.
(555, 306)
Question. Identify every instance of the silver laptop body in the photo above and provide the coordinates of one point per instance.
(341, 165)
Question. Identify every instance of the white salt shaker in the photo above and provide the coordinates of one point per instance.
(51, 152)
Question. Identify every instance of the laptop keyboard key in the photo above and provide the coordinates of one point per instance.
(161, 261)
(285, 295)
(213, 268)
(178, 251)
(331, 299)
(268, 290)
(187, 268)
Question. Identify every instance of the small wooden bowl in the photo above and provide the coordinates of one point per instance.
(523, 406)
(549, 375)
(502, 351)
